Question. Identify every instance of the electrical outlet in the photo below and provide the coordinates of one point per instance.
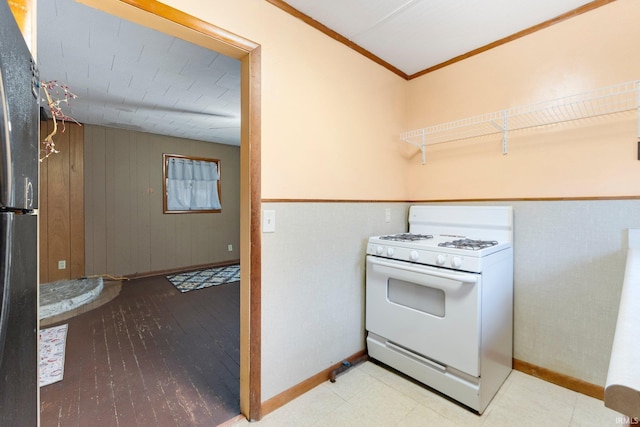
(387, 215)
(62, 264)
(230, 248)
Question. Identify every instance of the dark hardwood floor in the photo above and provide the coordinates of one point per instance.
(151, 357)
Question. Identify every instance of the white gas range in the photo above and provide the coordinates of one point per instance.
(439, 300)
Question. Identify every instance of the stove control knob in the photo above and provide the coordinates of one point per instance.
(413, 256)
(379, 250)
(440, 259)
(456, 262)
(390, 251)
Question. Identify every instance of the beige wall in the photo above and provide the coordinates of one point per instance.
(330, 117)
(331, 121)
(595, 157)
(125, 229)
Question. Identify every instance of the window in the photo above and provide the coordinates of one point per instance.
(191, 184)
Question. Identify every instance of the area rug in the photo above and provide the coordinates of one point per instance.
(52, 346)
(201, 279)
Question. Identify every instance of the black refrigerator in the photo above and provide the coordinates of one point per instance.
(19, 152)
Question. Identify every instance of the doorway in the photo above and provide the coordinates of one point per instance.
(178, 24)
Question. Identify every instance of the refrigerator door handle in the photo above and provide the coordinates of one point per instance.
(6, 239)
(6, 172)
(28, 193)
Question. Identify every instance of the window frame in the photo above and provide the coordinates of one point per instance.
(165, 163)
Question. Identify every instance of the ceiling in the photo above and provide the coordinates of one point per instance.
(128, 76)
(416, 35)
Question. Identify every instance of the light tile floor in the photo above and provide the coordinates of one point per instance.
(370, 395)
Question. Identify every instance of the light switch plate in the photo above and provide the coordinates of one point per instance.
(268, 221)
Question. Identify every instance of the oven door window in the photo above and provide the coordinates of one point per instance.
(422, 298)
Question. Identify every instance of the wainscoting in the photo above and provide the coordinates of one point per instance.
(569, 262)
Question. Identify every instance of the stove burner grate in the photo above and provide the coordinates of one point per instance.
(468, 244)
(406, 237)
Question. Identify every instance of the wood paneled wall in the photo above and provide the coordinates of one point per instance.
(62, 205)
(127, 232)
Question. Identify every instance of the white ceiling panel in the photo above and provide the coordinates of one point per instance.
(129, 76)
(417, 35)
(349, 18)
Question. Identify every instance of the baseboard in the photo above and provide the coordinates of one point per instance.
(181, 269)
(306, 385)
(557, 378)
(232, 421)
(545, 374)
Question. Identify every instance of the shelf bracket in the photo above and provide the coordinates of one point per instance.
(410, 138)
(421, 145)
(638, 118)
(502, 127)
(505, 146)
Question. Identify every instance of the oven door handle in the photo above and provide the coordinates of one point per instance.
(459, 277)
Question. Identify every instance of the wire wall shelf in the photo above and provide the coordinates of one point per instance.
(599, 102)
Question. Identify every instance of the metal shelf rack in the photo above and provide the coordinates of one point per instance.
(598, 102)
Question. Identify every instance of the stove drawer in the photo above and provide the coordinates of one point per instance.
(432, 312)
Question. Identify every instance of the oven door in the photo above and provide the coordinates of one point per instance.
(431, 311)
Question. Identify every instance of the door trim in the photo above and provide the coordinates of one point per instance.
(159, 16)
